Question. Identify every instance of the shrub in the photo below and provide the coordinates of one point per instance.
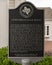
(5, 61)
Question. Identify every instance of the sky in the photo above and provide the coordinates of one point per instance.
(42, 3)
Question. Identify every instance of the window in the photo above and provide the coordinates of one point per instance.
(47, 30)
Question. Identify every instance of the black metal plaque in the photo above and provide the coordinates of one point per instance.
(26, 31)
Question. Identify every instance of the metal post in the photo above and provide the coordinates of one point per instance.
(26, 62)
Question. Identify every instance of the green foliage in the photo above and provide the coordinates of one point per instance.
(4, 57)
(45, 61)
(5, 61)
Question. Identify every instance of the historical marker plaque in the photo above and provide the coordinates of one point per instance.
(26, 31)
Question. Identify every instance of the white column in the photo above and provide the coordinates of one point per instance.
(3, 23)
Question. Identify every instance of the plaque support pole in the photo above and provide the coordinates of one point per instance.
(26, 62)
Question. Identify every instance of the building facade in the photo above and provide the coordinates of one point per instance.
(48, 31)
